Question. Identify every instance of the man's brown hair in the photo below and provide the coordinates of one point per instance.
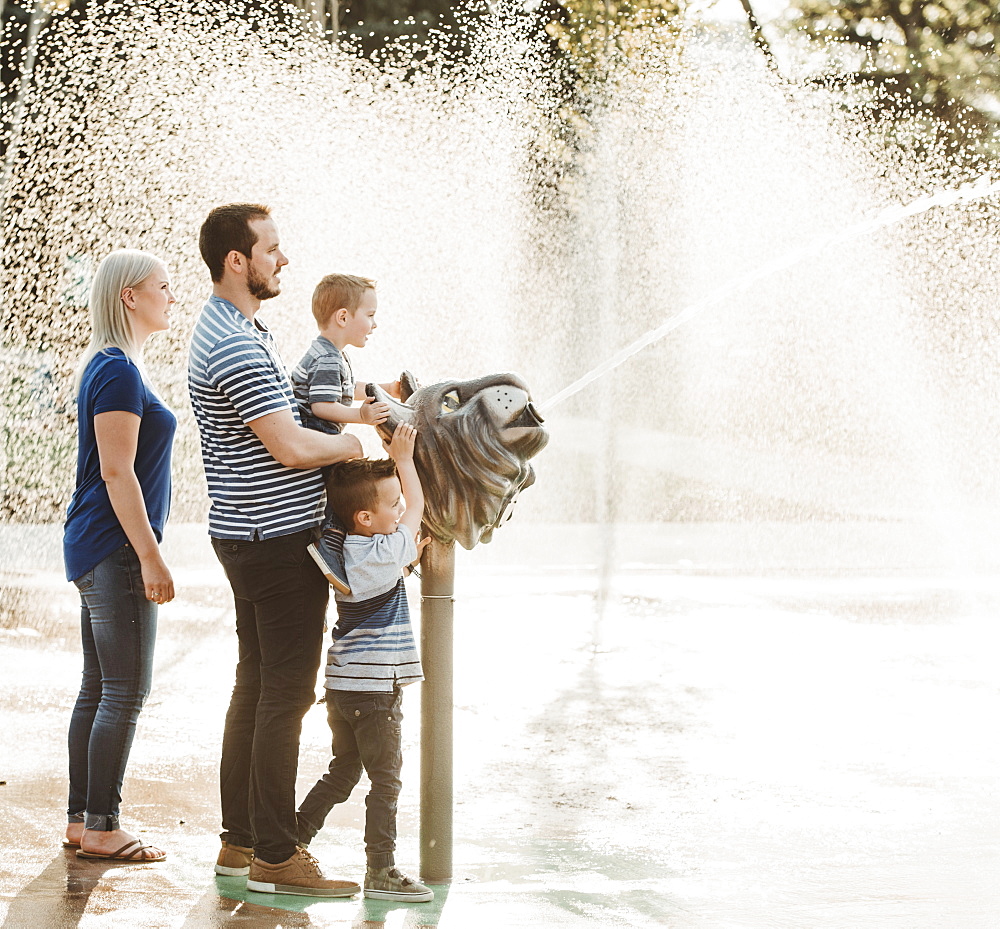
(336, 291)
(227, 229)
(352, 486)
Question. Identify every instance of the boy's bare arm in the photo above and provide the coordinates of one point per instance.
(401, 451)
(367, 413)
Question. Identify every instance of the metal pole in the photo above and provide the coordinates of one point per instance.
(437, 608)
(325, 14)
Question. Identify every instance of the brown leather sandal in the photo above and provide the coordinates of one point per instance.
(132, 851)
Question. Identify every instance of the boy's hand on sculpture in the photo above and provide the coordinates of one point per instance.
(422, 543)
(373, 413)
(400, 449)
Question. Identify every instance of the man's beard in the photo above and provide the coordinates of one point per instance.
(258, 285)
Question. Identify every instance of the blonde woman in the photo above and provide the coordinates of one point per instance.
(111, 544)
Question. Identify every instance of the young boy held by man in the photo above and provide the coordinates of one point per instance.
(373, 655)
(344, 306)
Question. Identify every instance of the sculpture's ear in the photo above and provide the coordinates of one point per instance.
(408, 385)
(398, 412)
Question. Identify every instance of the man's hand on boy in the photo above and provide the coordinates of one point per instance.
(400, 449)
(373, 413)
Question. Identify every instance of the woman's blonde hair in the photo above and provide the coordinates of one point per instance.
(109, 322)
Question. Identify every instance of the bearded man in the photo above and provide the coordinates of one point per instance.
(266, 492)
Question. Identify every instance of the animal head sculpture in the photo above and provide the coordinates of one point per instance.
(474, 441)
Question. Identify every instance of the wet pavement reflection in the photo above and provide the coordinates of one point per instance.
(710, 749)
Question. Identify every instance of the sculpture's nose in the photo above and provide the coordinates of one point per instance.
(529, 417)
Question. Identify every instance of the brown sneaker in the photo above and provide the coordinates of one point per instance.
(233, 860)
(300, 874)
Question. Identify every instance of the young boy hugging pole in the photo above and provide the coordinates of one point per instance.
(373, 655)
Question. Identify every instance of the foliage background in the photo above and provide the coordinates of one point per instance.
(931, 57)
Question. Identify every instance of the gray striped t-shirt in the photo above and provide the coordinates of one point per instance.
(235, 376)
(373, 644)
(322, 376)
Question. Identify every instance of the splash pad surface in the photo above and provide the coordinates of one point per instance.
(778, 748)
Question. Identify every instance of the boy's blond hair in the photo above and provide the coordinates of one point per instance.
(336, 291)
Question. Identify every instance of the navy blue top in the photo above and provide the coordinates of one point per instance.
(113, 382)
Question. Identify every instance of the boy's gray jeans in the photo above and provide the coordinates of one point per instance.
(367, 735)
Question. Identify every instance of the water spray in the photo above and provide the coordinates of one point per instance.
(984, 186)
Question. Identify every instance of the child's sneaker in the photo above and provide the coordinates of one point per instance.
(328, 552)
(391, 884)
(233, 860)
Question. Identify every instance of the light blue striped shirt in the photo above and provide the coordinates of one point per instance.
(235, 376)
(373, 647)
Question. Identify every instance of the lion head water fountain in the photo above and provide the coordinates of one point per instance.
(476, 438)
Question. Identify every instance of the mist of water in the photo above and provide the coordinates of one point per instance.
(846, 370)
(980, 189)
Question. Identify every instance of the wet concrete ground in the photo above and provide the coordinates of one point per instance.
(719, 745)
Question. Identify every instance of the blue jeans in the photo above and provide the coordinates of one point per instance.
(281, 600)
(118, 629)
(367, 733)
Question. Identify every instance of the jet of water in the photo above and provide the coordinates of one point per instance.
(984, 186)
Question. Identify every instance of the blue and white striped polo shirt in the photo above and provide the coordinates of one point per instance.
(373, 644)
(235, 376)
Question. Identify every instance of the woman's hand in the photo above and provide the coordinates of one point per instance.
(117, 434)
(156, 579)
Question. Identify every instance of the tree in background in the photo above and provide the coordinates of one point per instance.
(371, 26)
(589, 35)
(594, 34)
(938, 54)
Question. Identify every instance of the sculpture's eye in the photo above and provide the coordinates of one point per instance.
(450, 402)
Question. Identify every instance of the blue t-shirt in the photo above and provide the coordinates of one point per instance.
(113, 382)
